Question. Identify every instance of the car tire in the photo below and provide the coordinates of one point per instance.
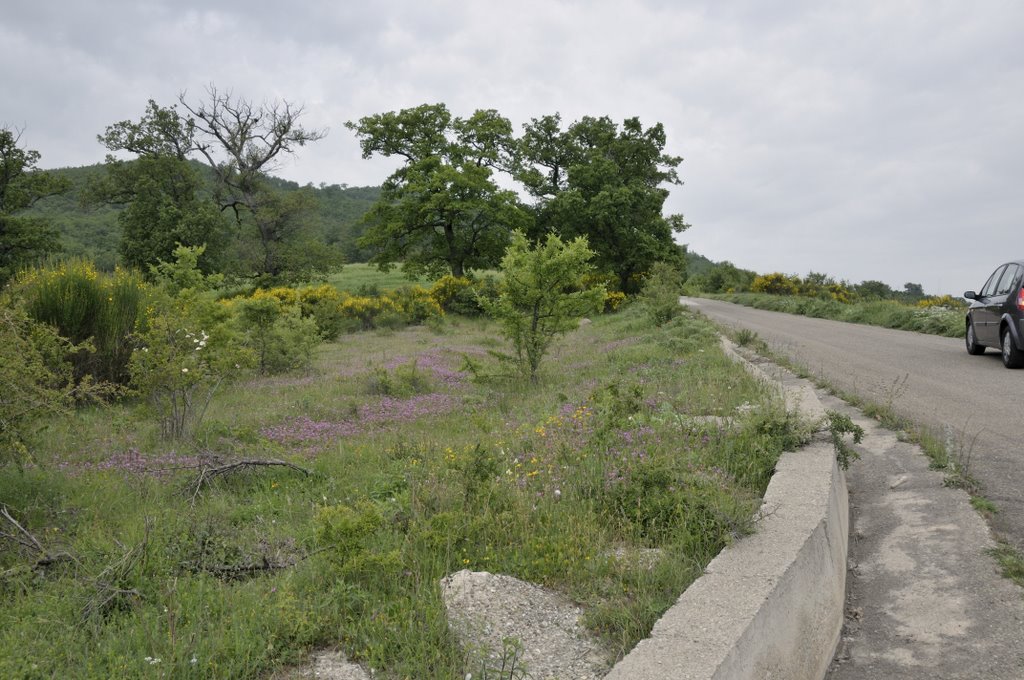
(1012, 357)
(971, 339)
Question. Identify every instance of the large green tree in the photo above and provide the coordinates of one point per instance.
(607, 183)
(161, 190)
(442, 209)
(23, 239)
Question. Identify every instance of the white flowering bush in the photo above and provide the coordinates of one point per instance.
(185, 353)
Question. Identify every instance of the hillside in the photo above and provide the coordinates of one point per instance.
(91, 230)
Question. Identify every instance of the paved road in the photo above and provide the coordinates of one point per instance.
(974, 401)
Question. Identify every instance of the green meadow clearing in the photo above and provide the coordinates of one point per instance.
(395, 457)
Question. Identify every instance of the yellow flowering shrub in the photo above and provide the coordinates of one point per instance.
(447, 288)
(775, 284)
(286, 296)
(367, 310)
(947, 301)
(415, 303)
(323, 304)
(613, 299)
(86, 305)
(839, 293)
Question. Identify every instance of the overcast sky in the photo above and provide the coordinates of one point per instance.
(877, 139)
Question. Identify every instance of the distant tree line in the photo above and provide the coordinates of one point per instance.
(198, 173)
(725, 277)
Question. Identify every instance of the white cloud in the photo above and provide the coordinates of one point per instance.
(866, 139)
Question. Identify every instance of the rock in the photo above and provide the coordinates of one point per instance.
(325, 665)
(643, 558)
(485, 610)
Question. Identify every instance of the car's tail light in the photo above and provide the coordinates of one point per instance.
(1020, 299)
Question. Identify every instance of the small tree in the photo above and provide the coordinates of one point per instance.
(543, 295)
(660, 295)
(187, 347)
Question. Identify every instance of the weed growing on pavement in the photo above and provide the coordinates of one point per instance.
(1010, 561)
(984, 506)
(745, 337)
(840, 424)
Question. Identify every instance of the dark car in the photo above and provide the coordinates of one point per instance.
(996, 315)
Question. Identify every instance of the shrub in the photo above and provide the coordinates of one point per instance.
(839, 293)
(184, 272)
(776, 284)
(660, 295)
(280, 336)
(446, 290)
(460, 295)
(323, 304)
(187, 350)
(94, 311)
(284, 295)
(942, 301)
(403, 381)
(415, 304)
(613, 299)
(37, 381)
(366, 310)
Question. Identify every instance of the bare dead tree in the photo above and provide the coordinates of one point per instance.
(242, 142)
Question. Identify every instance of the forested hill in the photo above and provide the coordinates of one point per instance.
(92, 230)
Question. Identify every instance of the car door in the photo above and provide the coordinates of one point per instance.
(1005, 297)
(986, 322)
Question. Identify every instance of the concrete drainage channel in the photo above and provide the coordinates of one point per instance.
(771, 604)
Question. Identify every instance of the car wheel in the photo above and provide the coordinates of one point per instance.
(972, 341)
(1012, 357)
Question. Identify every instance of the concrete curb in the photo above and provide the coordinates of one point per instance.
(771, 604)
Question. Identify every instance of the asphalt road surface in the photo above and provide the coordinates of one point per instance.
(972, 401)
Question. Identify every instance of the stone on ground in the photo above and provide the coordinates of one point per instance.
(485, 610)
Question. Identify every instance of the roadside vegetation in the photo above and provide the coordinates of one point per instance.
(220, 450)
(821, 296)
(276, 497)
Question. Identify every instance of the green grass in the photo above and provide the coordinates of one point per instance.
(361, 276)
(417, 471)
(1011, 562)
(887, 313)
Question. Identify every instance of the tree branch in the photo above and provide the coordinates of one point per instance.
(208, 473)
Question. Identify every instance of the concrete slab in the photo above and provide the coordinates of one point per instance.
(770, 605)
(925, 601)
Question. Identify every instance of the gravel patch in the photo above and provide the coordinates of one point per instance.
(325, 665)
(485, 610)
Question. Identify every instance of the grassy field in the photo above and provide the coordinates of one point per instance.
(418, 458)
(361, 276)
(945, 319)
